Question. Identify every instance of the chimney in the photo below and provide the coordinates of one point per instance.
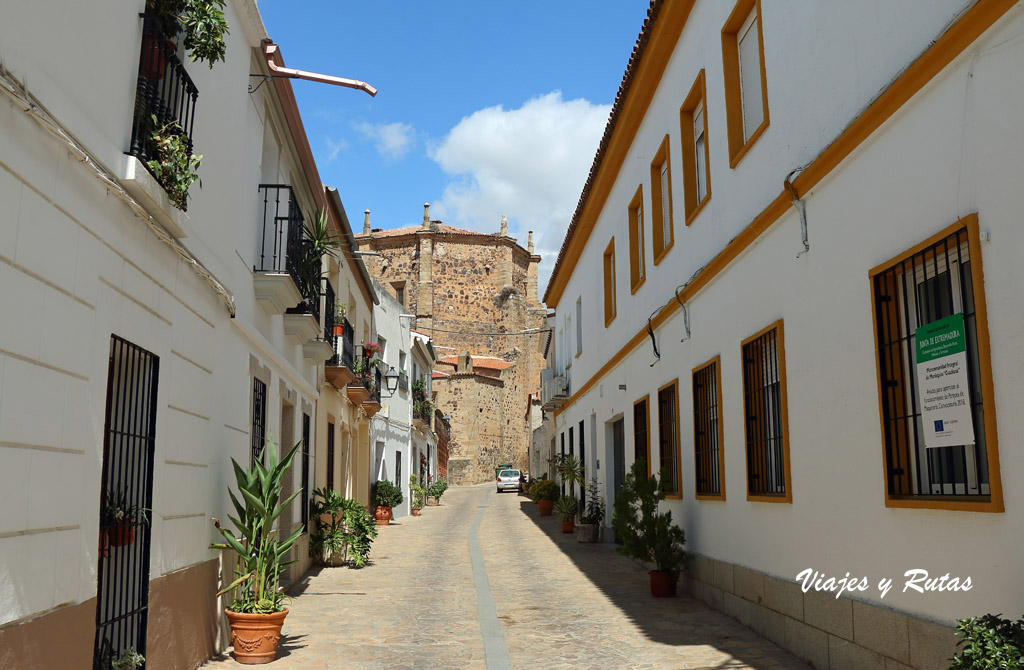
(504, 226)
(465, 362)
(426, 215)
(366, 222)
(529, 242)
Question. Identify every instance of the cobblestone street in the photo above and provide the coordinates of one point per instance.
(560, 604)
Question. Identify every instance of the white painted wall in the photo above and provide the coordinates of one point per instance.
(77, 266)
(951, 151)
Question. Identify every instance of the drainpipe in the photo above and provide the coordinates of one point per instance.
(270, 50)
(801, 208)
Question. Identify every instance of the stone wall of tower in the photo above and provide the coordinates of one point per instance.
(471, 292)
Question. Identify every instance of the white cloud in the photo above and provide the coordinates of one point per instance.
(334, 148)
(393, 140)
(528, 163)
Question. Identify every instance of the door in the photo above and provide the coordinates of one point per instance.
(126, 501)
(619, 456)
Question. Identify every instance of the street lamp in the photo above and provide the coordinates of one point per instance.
(391, 380)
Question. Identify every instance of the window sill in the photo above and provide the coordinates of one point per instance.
(607, 322)
(636, 287)
(788, 498)
(735, 159)
(698, 209)
(951, 504)
(718, 498)
(151, 195)
(661, 254)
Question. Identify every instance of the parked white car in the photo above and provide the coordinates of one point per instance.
(510, 480)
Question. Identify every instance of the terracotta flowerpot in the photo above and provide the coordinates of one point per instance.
(120, 536)
(255, 636)
(416, 511)
(568, 526)
(339, 329)
(545, 507)
(382, 515)
(663, 584)
(154, 59)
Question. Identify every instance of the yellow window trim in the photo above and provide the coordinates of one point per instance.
(717, 362)
(661, 158)
(697, 96)
(783, 415)
(647, 433)
(679, 467)
(731, 66)
(995, 501)
(609, 283)
(637, 250)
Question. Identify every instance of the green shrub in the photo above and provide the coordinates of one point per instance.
(174, 167)
(202, 20)
(437, 489)
(593, 511)
(350, 533)
(566, 507)
(647, 534)
(419, 493)
(386, 494)
(544, 489)
(990, 643)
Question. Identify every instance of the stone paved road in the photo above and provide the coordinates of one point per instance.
(551, 603)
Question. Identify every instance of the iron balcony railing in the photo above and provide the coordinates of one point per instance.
(372, 384)
(423, 414)
(165, 94)
(284, 246)
(328, 324)
(344, 348)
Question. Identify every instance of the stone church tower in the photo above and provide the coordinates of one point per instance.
(475, 295)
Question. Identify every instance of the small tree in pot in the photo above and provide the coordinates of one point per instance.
(647, 534)
(437, 490)
(591, 517)
(418, 493)
(565, 510)
(257, 612)
(545, 492)
(385, 496)
(347, 537)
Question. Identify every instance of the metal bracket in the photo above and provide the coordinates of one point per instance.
(265, 77)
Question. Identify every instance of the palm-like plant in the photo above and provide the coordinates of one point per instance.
(260, 551)
(570, 469)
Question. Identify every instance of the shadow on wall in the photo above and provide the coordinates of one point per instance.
(679, 621)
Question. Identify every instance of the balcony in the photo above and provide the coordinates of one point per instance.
(422, 414)
(287, 277)
(364, 390)
(554, 390)
(339, 368)
(165, 96)
(320, 349)
(372, 404)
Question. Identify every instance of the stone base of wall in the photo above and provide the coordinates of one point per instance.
(51, 640)
(827, 633)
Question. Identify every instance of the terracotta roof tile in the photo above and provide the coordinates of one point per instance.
(436, 226)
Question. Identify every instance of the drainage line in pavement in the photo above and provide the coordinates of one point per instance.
(495, 649)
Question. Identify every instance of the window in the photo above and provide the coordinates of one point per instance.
(399, 287)
(568, 340)
(330, 455)
(940, 442)
(764, 407)
(641, 434)
(637, 259)
(304, 497)
(609, 283)
(707, 431)
(668, 438)
(259, 420)
(693, 126)
(746, 93)
(583, 467)
(398, 469)
(579, 325)
(563, 456)
(661, 202)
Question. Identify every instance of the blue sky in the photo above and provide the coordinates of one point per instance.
(484, 108)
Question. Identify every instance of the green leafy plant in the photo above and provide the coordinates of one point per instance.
(437, 489)
(989, 643)
(544, 489)
(128, 660)
(419, 493)
(386, 494)
(260, 551)
(593, 511)
(647, 534)
(340, 311)
(174, 167)
(570, 469)
(202, 21)
(566, 507)
(118, 511)
(350, 531)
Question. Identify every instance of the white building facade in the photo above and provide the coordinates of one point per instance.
(794, 204)
(146, 346)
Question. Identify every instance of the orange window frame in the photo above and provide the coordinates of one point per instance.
(731, 66)
(697, 96)
(609, 283)
(661, 245)
(674, 385)
(646, 400)
(717, 363)
(637, 255)
(787, 497)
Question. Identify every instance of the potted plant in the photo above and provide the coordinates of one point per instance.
(647, 534)
(174, 167)
(118, 520)
(129, 659)
(565, 509)
(419, 494)
(257, 610)
(202, 21)
(385, 496)
(591, 515)
(989, 643)
(570, 470)
(340, 311)
(436, 490)
(545, 492)
(348, 535)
